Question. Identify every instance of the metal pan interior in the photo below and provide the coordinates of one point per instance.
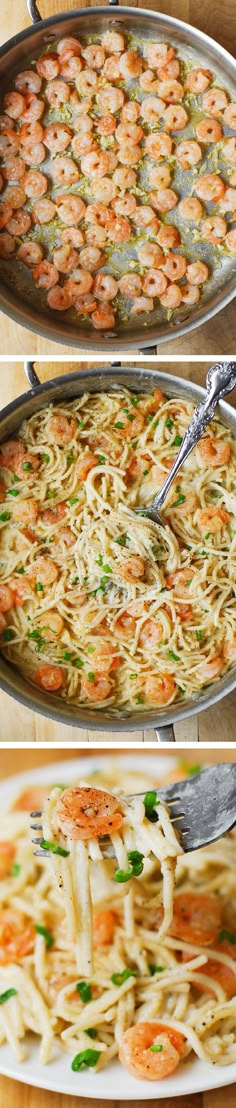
(11, 681)
(18, 296)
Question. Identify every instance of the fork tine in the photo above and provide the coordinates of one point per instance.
(36, 826)
(36, 815)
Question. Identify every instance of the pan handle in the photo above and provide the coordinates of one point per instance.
(146, 350)
(30, 373)
(165, 734)
(33, 10)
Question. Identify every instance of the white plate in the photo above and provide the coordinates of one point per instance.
(113, 1082)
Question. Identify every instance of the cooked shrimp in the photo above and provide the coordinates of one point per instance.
(26, 511)
(64, 171)
(164, 200)
(159, 53)
(111, 68)
(61, 429)
(152, 109)
(104, 190)
(106, 125)
(104, 660)
(91, 258)
(197, 80)
(28, 81)
(95, 164)
(52, 625)
(214, 101)
(22, 590)
(160, 177)
(180, 581)
(229, 116)
(57, 137)
(74, 236)
(48, 66)
(49, 678)
(96, 235)
(130, 112)
(104, 923)
(130, 65)
(85, 813)
(197, 273)
(229, 150)
(15, 457)
(94, 56)
(228, 203)
(84, 144)
(68, 46)
(35, 184)
(171, 91)
(150, 255)
(98, 213)
(43, 570)
(230, 240)
(188, 153)
(124, 178)
(168, 237)
(65, 258)
(113, 42)
(214, 229)
(31, 253)
(209, 131)
(6, 598)
(87, 82)
(31, 133)
(148, 81)
(43, 211)
(58, 299)
(79, 284)
(9, 144)
(151, 1050)
(86, 304)
(158, 146)
(51, 516)
(174, 267)
(196, 918)
(171, 69)
(15, 196)
(66, 536)
(229, 649)
(129, 133)
(13, 169)
(71, 209)
(5, 214)
(144, 216)
(70, 67)
(17, 936)
(132, 568)
(84, 465)
(7, 855)
(190, 294)
(212, 519)
(175, 118)
(130, 285)
(129, 155)
(98, 689)
(191, 209)
(110, 100)
(151, 634)
(154, 283)
(14, 104)
(160, 688)
(129, 429)
(214, 452)
(225, 976)
(5, 123)
(153, 402)
(124, 205)
(34, 109)
(125, 626)
(211, 668)
(34, 154)
(105, 287)
(120, 230)
(142, 304)
(210, 187)
(45, 275)
(57, 92)
(172, 297)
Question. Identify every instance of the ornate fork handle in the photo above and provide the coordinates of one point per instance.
(220, 379)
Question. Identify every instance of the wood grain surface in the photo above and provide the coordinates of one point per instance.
(18, 724)
(216, 18)
(13, 1093)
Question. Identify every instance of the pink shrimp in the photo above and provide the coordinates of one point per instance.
(14, 104)
(57, 137)
(43, 211)
(30, 253)
(105, 287)
(158, 146)
(124, 205)
(79, 284)
(214, 229)
(213, 519)
(69, 46)
(150, 255)
(71, 209)
(28, 81)
(171, 91)
(52, 516)
(48, 66)
(154, 283)
(160, 177)
(142, 304)
(113, 42)
(172, 297)
(35, 184)
(152, 109)
(58, 299)
(188, 154)
(191, 208)
(103, 318)
(160, 688)
(214, 452)
(197, 80)
(57, 92)
(15, 196)
(26, 511)
(43, 570)
(210, 187)
(5, 214)
(175, 118)
(74, 236)
(129, 429)
(130, 112)
(13, 169)
(129, 133)
(197, 273)
(61, 429)
(151, 1051)
(84, 812)
(84, 465)
(230, 240)
(209, 131)
(91, 258)
(214, 101)
(31, 133)
(98, 689)
(180, 581)
(148, 81)
(164, 200)
(130, 285)
(174, 267)
(229, 649)
(211, 667)
(132, 568)
(111, 68)
(65, 258)
(104, 922)
(120, 229)
(228, 202)
(49, 678)
(64, 171)
(124, 178)
(106, 125)
(34, 109)
(168, 237)
(52, 625)
(131, 65)
(190, 294)
(229, 116)
(151, 634)
(7, 245)
(129, 155)
(6, 598)
(159, 53)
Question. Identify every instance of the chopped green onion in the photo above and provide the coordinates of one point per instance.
(84, 991)
(75, 580)
(139, 698)
(85, 579)
(199, 634)
(175, 657)
(73, 499)
(13, 492)
(91, 676)
(21, 569)
(156, 1047)
(122, 875)
(70, 458)
(150, 802)
(226, 935)
(7, 995)
(46, 458)
(194, 768)
(105, 578)
(91, 1031)
(149, 418)
(67, 656)
(132, 676)
(5, 516)
(85, 1058)
(131, 418)
(136, 860)
(207, 536)
(155, 969)
(119, 425)
(101, 459)
(8, 634)
(90, 649)
(107, 569)
(51, 494)
(49, 940)
(54, 848)
(177, 441)
(119, 978)
(145, 471)
(15, 870)
(78, 662)
(15, 479)
(180, 500)
(38, 586)
(169, 423)
(80, 424)
(99, 560)
(33, 634)
(27, 465)
(135, 400)
(121, 540)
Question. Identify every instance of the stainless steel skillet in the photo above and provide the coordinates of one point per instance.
(66, 389)
(18, 298)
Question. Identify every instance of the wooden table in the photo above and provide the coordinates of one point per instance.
(11, 1092)
(216, 20)
(18, 724)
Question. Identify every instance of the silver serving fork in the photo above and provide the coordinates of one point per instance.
(220, 379)
(202, 809)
